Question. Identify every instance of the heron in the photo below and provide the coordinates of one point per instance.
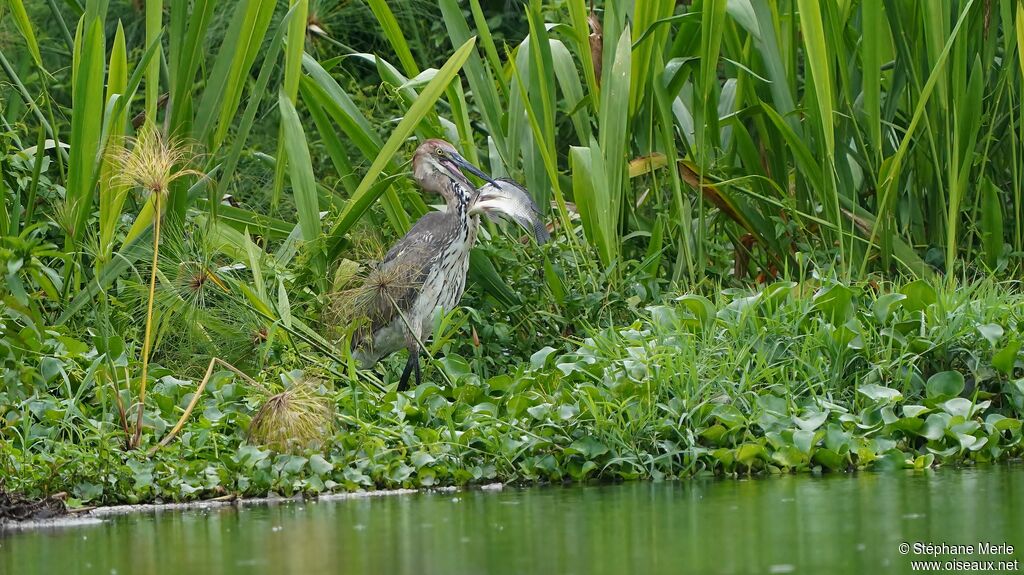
(424, 272)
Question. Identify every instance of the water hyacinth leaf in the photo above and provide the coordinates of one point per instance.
(789, 456)
(1006, 358)
(889, 416)
(663, 317)
(884, 306)
(589, 447)
(946, 453)
(992, 332)
(811, 421)
(714, 434)
(924, 461)
(803, 440)
(748, 453)
(837, 439)
(945, 384)
(920, 294)
(978, 443)
(907, 424)
(729, 416)
(539, 412)
(870, 418)
(1005, 423)
(421, 459)
(914, 410)
(319, 465)
(701, 308)
(960, 425)
(539, 359)
(835, 302)
(455, 366)
(958, 407)
(829, 459)
(880, 393)
(773, 295)
(935, 426)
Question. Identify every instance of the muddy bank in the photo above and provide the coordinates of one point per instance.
(15, 508)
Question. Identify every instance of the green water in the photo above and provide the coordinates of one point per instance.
(793, 524)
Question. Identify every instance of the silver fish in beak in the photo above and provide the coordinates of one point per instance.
(506, 198)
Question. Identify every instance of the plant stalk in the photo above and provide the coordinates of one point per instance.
(146, 343)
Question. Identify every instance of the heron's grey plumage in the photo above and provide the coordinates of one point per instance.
(427, 267)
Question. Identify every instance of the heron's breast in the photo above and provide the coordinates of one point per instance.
(446, 281)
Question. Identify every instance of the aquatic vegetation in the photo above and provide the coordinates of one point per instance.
(830, 191)
(295, 419)
(152, 163)
(821, 377)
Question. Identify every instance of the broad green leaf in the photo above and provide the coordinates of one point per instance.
(992, 332)
(835, 302)
(880, 393)
(1006, 359)
(920, 294)
(945, 384)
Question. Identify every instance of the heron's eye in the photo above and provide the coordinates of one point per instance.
(440, 153)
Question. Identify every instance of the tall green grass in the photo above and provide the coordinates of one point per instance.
(680, 141)
(879, 136)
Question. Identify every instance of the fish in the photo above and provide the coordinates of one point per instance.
(506, 198)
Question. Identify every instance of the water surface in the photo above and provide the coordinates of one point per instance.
(791, 524)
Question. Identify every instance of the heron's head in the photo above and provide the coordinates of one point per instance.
(437, 162)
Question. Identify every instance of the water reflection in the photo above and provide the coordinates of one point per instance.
(835, 524)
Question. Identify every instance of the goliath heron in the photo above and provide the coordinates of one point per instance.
(425, 271)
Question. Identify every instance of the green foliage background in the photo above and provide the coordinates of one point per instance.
(812, 155)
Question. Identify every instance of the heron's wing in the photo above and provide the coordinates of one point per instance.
(505, 198)
(393, 285)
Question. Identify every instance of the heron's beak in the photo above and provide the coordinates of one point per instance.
(464, 164)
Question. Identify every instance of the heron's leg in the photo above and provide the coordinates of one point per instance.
(412, 363)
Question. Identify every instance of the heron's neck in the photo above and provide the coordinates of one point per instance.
(457, 196)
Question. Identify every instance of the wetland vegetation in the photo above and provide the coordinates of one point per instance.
(786, 236)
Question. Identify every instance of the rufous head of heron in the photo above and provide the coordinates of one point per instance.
(436, 160)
